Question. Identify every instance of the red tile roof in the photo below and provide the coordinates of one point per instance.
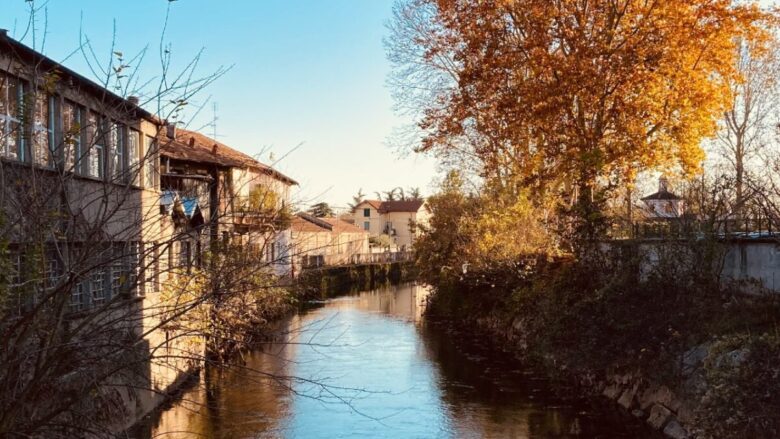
(394, 206)
(304, 222)
(195, 147)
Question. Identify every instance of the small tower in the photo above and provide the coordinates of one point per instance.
(664, 204)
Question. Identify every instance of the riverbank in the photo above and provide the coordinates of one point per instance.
(393, 373)
(324, 282)
(674, 350)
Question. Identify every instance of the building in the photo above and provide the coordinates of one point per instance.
(396, 219)
(664, 204)
(93, 229)
(226, 194)
(325, 241)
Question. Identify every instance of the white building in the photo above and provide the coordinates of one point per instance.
(396, 219)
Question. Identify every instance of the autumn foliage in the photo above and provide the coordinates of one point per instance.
(572, 97)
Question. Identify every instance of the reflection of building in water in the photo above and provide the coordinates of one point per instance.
(222, 404)
(407, 301)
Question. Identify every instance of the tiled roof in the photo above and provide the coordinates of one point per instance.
(341, 226)
(661, 195)
(299, 224)
(303, 222)
(394, 206)
(401, 206)
(195, 147)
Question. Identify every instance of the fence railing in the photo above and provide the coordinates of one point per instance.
(318, 261)
(754, 227)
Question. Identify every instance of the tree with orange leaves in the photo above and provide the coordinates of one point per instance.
(570, 97)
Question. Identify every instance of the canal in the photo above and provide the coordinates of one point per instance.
(368, 365)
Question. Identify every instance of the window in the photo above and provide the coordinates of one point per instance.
(95, 163)
(116, 141)
(77, 296)
(133, 156)
(71, 135)
(118, 277)
(156, 274)
(52, 271)
(366, 225)
(367, 212)
(150, 163)
(185, 254)
(11, 138)
(97, 287)
(43, 129)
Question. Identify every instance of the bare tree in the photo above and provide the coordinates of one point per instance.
(748, 124)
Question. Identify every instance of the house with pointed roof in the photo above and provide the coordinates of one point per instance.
(325, 241)
(663, 204)
(397, 219)
(222, 193)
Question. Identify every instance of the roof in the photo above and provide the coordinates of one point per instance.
(193, 146)
(299, 224)
(341, 226)
(304, 222)
(45, 63)
(394, 206)
(661, 195)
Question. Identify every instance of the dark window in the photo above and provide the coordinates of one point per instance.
(366, 212)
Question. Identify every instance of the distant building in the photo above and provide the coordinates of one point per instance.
(664, 204)
(325, 241)
(397, 219)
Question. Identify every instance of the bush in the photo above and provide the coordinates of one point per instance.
(743, 388)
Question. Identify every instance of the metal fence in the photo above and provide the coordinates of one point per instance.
(318, 261)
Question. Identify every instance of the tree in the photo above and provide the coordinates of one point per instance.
(357, 199)
(321, 210)
(569, 96)
(751, 115)
(391, 195)
(103, 301)
(414, 193)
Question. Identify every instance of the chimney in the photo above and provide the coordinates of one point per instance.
(663, 184)
(3, 33)
(171, 131)
(133, 100)
(192, 142)
(214, 149)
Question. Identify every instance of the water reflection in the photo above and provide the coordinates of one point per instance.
(369, 365)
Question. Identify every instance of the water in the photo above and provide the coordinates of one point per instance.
(370, 366)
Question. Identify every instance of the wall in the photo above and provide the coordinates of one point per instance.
(754, 264)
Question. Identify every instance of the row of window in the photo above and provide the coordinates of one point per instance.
(50, 131)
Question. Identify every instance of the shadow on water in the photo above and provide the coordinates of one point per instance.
(369, 365)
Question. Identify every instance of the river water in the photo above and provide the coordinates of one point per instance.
(368, 365)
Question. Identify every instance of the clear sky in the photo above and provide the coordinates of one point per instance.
(310, 72)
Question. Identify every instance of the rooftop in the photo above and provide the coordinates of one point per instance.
(394, 206)
(195, 147)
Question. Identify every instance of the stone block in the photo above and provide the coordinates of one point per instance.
(674, 430)
(659, 415)
(655, 395)
(626, 399)
(612, 391)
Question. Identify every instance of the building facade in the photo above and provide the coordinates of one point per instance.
(325, 241)
(103, 206)
(396, 219)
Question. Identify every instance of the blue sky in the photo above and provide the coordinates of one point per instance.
(302, 71)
